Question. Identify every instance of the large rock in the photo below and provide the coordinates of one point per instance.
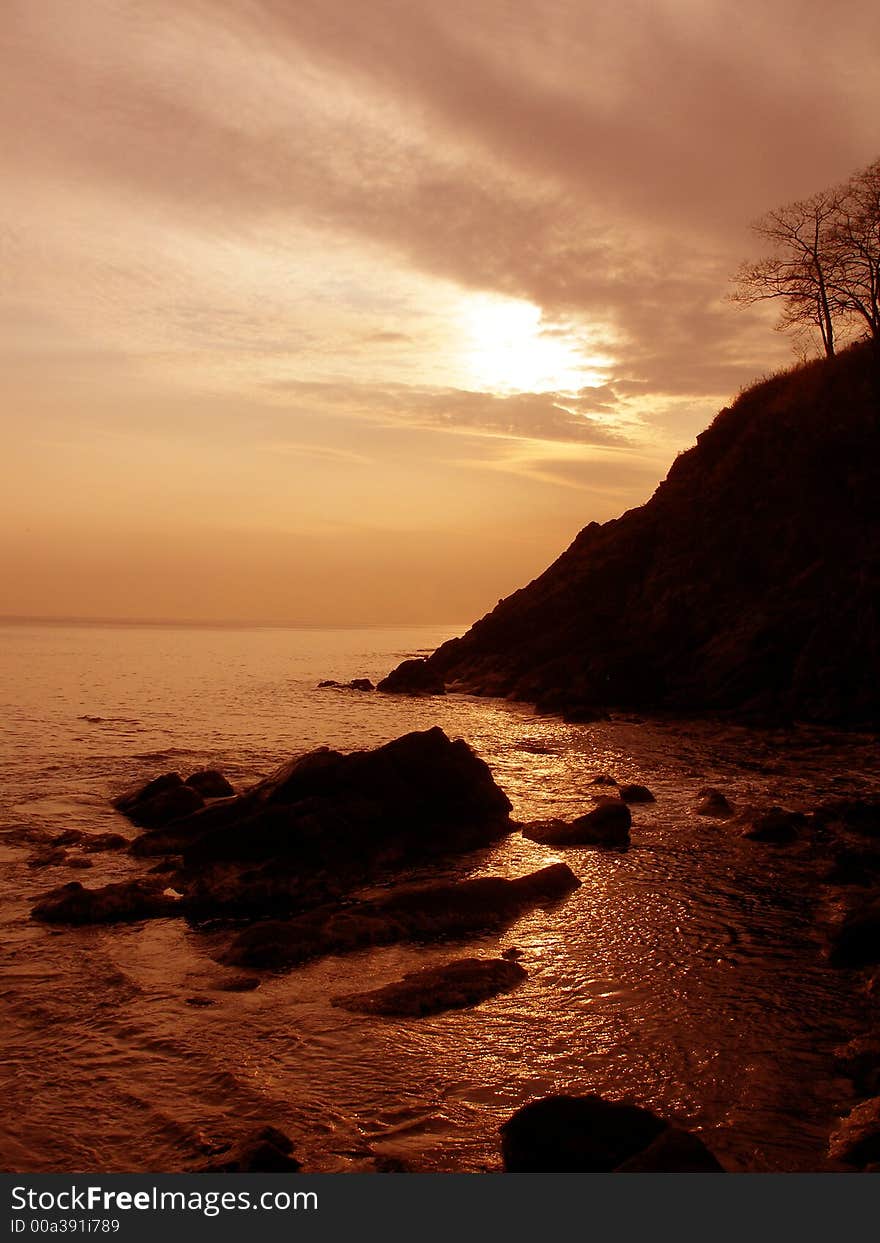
(856, 940)
(607, 825)
(326, 821)
(586, 1134)
(714, 803)
(122, 902)
(465, 982)
(636, 794)
(412, 677)
(412, 913)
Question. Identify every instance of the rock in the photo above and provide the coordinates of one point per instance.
(327, 683)
(48, 858)
(80, 862)
(856, 941)
(93, 843)
(776, 826)
(200, 1002)
(210, 784)
(607, 825)
(326, 822)
(586, 1134)
(511, 953)
(604, 779)
(860, 816)
(125, 901)
(583, 714)
(239, 984)
(412, 913)
(266, 1151)
(70, 837)
(856, 1139)
(412, 677)
(852, 866)
(713, 803)
(160, 802)
(673, 1152)
(859, 1060)
(361, 684)
(636, 794)
(454, 986)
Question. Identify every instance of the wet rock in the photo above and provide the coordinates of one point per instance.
(584, 714)
(361, 684)
(326, 822)
(713, 803)
(81, 862)
(125, 901)
(607, 825)
(239, 984)
(853, 866)
(70, 837)
(454, 986)
(587, 1134)
(511, 953)
(856, 941)
(413, 913)
(636, 794)
(210, 783)
(94, 843)
(265, 1151)
(160, 802)
(860, 815)
(200, 1002)
(412, 677)
(48, 858)
(859, 1060)
(604, 779)
(328, 683)
(776, 826)
(856, 1139)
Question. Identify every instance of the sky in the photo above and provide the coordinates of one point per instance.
(332, 312)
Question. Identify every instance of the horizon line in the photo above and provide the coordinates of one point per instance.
(189, 623)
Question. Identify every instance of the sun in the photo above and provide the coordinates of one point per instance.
(507, 348)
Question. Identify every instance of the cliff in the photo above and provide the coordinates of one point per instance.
(748, 582)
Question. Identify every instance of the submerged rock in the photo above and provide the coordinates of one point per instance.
(607, 825)
(713, 803)
(93, 843)
(265, 1151)
(210, 783)
(48, 858)
(776, 826)
(455, 985)
(412, 677)
(121, 902)
(587, 1134)
(413, 913)
(856, 815)
(356, 684)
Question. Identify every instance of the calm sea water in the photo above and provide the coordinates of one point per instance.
(686, 974)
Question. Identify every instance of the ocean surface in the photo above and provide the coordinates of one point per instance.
(687, 974)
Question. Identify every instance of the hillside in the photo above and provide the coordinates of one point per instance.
(749, 581)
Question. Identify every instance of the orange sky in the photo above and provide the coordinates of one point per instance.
(334, 312)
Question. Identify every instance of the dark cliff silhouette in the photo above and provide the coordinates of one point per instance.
(749, 582)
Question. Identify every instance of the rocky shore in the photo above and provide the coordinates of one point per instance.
(275, 878)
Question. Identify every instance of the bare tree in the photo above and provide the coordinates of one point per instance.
(856, 240)
(803, 270)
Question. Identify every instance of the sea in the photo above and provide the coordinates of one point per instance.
(687, 975)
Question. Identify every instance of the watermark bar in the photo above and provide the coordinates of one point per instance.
(600, 1207)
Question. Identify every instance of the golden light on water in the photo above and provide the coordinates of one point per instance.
(509, 348)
